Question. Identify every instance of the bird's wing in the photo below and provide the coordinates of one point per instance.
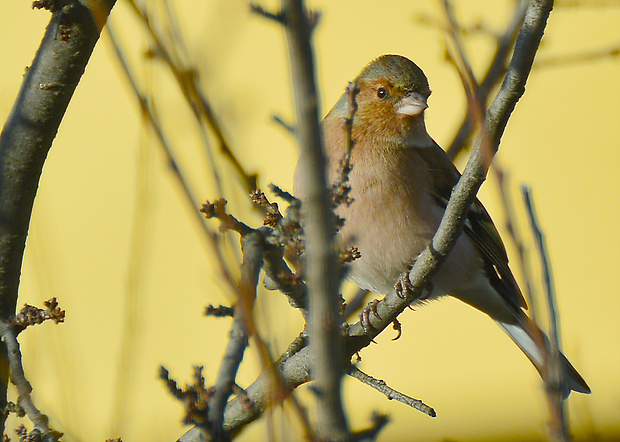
(478, 225)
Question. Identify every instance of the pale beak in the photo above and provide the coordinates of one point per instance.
(412, 105)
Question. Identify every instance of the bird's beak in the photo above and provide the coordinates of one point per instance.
(412, 105)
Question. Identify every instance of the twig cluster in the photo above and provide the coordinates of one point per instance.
(9, 330)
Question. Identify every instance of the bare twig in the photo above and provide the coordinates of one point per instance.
(24, 389)
(194, 397)
(553, 378)
(514, 235)
(358, 301)
(379, 421)
(31, 315)
(219, 312)
(579, 57)
(288, 127)
(341, 188)
(275, 16)
(321, 264)
(217, 210)
(382, 387)
(252, 247)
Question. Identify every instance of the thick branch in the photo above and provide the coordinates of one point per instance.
(31, 127)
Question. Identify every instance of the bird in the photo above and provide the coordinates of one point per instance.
(400, 182)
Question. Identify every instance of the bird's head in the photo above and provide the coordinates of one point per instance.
(393, 93)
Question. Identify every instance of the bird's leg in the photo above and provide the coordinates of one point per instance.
(365, 315)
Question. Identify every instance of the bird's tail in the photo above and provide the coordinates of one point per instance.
(535, 344)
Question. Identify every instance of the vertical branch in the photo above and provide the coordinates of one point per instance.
(30, 129)
(553, 379)
(323, 272)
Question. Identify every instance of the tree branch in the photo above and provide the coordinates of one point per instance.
(554, 378)
(252, 247)
(391, 394)
(31, 127)
(321, 263)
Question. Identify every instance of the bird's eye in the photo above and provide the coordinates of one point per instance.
(382, 92)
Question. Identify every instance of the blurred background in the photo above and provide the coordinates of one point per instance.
(114, 239)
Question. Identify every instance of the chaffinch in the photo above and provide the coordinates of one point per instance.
(400, 184)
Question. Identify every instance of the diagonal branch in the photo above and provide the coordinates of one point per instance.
(474, 175)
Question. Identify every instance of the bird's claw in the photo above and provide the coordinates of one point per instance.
(403, 287)
(398, 327)
(365, 315)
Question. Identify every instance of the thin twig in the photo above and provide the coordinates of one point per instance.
(553, 378)
(341, 188)
(24, 389)
(252, 248)
(515, 237)
(358, 301)
(384, 388)
(580, 57)
(379, 421)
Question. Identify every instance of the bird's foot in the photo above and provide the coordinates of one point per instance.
(403, 287)
(405, 290)
(365, 315)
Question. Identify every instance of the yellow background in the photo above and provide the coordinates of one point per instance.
(112, 239)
